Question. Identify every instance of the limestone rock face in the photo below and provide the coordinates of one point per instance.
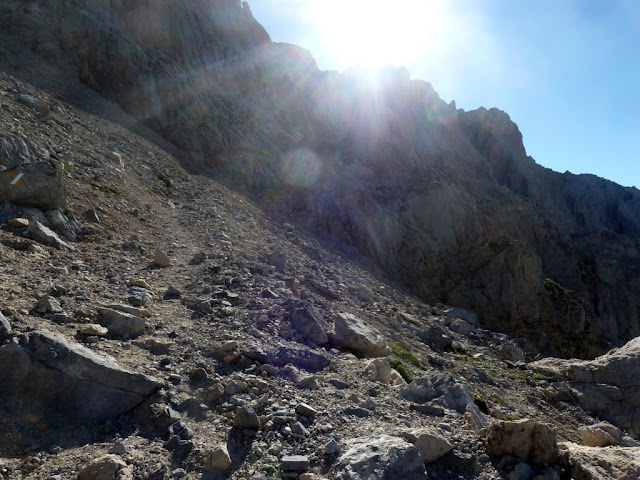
(430, 442)
(72, 381)
(382, 457)
(594, 463)
(608, 386)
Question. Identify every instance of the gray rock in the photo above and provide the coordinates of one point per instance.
(352, 333)
(48, 304)
(332, 447)
(160, 259)
(121, 324)
(294, 463)
(306, 359)
(40, 186)
(218, 458)
(381, 457)
(5, 329)
(603, 434)
(139, 297)
(364, 294)
(306, 410)
(440, 389)
(308, 321)
(68, 225)
(530, 441)
(70, 379)
(278, 260)
(107, 467)
(245, 418)
(35, 103)
(15, 151)
(608, 387)
(138, 312)
(597, 463)
(430, 442)
(45, 236)
(300, 429)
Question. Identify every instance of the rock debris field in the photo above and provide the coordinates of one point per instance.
(156, 325)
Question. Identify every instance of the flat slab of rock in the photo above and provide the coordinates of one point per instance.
(121, 324)
(594, 463)
(380, 458)
(69, 379)
(352, 333)
(44, 235)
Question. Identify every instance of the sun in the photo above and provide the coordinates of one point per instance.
(373, 33)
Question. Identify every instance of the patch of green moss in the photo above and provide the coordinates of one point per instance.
(400, 367)
(406, 355)
(510, 417)
(539, 377)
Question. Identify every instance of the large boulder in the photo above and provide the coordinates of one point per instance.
(530, 441)
(595, 463)
(352, 333)
(608, 387)
(430, 442)
(70, 380)
(34, 184)
(383, 457)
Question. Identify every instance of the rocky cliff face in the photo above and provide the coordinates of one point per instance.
(444, 200)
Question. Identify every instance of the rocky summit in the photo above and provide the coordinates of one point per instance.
(218, 261)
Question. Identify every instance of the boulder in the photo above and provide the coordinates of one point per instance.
(596, 463)
(603, 434)
(160, 258)
(378, 370)
(69, 379)
(352, 333)
(430, 442)
(308, 321)
(5, 329)
(383, 457)
(218, 458)
(121, 324)
(439, 389)
(607, 387)
(67, 225)
(46, 236)
(39, 186)
(530, 441)
(107, 467)
(245, 418)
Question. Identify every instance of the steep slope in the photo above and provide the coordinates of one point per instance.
(230, 353)
(445, 200)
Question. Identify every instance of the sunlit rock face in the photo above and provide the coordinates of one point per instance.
(446, 201)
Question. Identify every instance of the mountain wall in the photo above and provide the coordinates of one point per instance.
(446, 201)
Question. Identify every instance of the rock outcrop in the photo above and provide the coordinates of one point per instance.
(68, 380)
(593, 463)
(608, 386)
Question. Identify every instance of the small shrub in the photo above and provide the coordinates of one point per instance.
(400, 367)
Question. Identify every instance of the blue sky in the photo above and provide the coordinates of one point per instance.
(566, 71)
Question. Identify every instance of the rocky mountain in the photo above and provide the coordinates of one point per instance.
(217, 261)
(445, 200)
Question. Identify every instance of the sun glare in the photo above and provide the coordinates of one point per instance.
(372, 33)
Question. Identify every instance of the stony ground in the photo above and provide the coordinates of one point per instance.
(223, 301)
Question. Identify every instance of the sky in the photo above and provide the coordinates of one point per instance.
(566, 71)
